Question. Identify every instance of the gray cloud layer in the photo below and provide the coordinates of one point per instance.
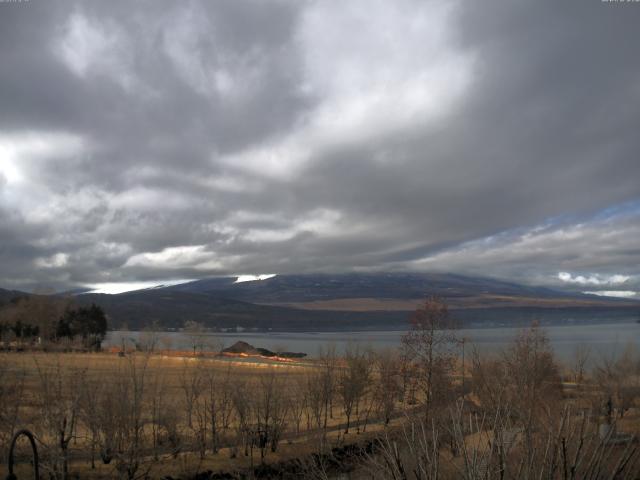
(150, 140)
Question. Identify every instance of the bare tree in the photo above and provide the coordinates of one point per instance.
(195, 331)
(490, 448)
(318, 402)
(92, 389)
(618, 379)
(367, 404)
(535, 374)
(353, 380)
(491, 381)
(524, 377)
(387, 389)
(581, 356)
(193, 383)
(628, 389)
(192, 386)
(128, 416)
(163, 416)
(298, 402)
(243, 409)
(150, 337)
(12, 387)
(430, 347)
(219, 404)
(270, 411)
(58, 407)
(328, 361)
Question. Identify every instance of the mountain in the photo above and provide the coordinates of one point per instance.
(172, 308)
(389, 291)
(347, 301)
(7, 295)
(351, 301)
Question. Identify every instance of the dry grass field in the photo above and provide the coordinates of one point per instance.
(174, 414)
(177, 415)
(409, 305)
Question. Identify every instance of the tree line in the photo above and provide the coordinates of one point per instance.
(44, 319)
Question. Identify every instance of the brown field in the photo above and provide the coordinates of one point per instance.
(409, 305)
(168, 379)
(152, 415)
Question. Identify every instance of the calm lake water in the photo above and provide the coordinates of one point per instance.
(602, 339)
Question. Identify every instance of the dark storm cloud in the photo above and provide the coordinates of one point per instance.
(151, 140)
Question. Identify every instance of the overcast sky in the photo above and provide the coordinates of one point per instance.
(159, 140)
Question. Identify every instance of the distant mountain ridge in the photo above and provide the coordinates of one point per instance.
(298, 289)
(326, 301)
(348, 301)
(7, 295)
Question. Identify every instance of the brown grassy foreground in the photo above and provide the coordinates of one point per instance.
(149, 415)
(101, 415)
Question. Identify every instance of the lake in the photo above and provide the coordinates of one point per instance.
(602, 339)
